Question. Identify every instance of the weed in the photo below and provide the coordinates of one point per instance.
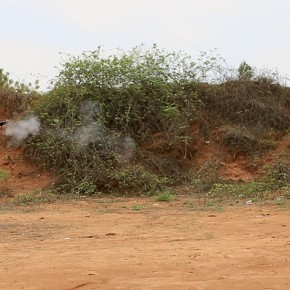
(238, 139)
(165, 196)
(204, 179)
(250, 109)
(3, 175)
(136, 207)
(210, 203)
(111, 200)
(190, 204)
(209, 236)
(136, 178)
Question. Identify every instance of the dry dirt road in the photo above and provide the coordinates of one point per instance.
(144, 244)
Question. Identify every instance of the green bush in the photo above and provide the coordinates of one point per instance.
(131, 92)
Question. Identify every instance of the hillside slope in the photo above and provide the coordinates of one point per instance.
(236, 129)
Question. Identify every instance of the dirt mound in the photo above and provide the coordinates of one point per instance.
(240, 127)
(24, 177)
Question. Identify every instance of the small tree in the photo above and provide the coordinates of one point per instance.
(246, 72)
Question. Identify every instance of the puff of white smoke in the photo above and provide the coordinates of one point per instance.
(18, 131)
(127, 149)
(94, 132)
(85, 135)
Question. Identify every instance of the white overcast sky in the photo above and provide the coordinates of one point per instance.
(34, 32)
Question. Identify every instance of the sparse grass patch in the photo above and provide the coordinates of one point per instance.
(190, 204)
(3, 175)
(136, 207)
(209, 236)
(34, 198)
(210, 203)
(230, 191)
(110, 200)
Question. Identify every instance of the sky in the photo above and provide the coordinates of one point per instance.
(35, 35)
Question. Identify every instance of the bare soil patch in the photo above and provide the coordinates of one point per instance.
(143, 244)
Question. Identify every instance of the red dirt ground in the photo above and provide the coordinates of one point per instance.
(138, 243)
(106, 244)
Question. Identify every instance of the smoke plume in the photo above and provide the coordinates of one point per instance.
(92, 131)
(126, 149)
(18, 131)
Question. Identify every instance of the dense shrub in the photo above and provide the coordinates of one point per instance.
(16, 97)
(102, 106)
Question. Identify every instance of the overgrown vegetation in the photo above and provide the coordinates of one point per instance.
(131, 122)
(246, 112)
(137, 93)
(102, 107)
(278, 172)
(16, 97)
